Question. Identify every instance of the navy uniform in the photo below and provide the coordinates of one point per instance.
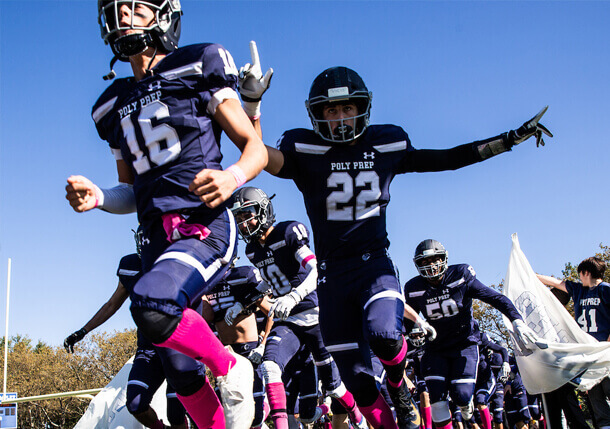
(591, 308)
(241, 285)
(147, 372)
(496, 356)
(515, 399)
(281, 262)
(452, 359)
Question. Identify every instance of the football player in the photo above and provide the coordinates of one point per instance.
(163, 126)
(497, 357)
(281, 252)
(343, 168)
(245, 286)
(146, 374)
(444, 294)
(591, 298)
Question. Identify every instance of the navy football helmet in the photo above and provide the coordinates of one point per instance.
(417, 336)
(426, 249)
(163, 32)
(252, 203)
(339, 85)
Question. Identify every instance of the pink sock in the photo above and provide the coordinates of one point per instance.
(379, 415)
(427, 417)
(395, 367)
(277, 402)
(194, 338)
(204, 408)
(349, 404)
(485, 418)
(324, 408)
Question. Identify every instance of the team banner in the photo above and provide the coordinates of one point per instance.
(108, 411)
(565, 352)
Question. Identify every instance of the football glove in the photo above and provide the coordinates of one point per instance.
(524, 334)
(284, 305)
(256, 355)
(530, 128)
(427, 328)
(233, 312)
(504, 372)
(74, 338)
(252, 84)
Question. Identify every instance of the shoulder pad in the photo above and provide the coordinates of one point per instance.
(107, 100)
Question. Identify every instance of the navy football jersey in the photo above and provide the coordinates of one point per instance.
(238, 285)
(129, 271)
(448, 306)
(346, 188)
(162, 125)
(278, 261)
(592, 308)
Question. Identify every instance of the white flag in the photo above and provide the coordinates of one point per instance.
(108, 410)
(565, 352)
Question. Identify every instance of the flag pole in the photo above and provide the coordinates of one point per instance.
(8, 290)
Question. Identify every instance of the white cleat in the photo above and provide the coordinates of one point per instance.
(236, 393)
(362, 424)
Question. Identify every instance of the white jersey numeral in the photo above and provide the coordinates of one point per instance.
(362, 208)
(280, 285)
(153, 136)
(446, 308)
(582, 321)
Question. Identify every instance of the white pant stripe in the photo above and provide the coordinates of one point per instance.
(137, 383)
(342, 347)
(388, 294)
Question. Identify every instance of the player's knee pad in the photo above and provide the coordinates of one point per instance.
(462, 393)
(440, 411)
(338, 391)
(467, 410)
(154, 325)
(138, 398)
(189, 385)
(386, 348)
(271, 372)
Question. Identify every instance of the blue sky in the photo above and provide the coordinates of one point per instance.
(448, 72)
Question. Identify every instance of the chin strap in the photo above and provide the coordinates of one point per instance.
(112, 73)
(148, 70)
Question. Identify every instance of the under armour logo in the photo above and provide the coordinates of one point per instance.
(145, 241)
(369, 155)
(322, 280)
(269, 253)
(154, 86)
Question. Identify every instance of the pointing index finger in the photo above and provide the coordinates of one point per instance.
(254, 53)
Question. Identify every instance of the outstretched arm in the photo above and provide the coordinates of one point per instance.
(105, 312)
(460, 156)
(552, 282)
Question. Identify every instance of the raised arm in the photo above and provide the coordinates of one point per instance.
(552, 282)
(460, 156)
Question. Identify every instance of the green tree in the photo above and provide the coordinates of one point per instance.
(41, 369)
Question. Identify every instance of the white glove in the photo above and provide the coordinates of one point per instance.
(524, 334)
(284, 305)
(504, 372)
(427, 328)
(252, 84)
(256, 355)
(233, 312)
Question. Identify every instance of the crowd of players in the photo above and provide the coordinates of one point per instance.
(338, 315)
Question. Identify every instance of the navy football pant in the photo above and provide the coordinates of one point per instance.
(145, 378)
(301, 383)
(286, 339)
(361, 305)
(452, 372)
(486, 383)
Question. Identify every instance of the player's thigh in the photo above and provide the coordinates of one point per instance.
(463, 373)
(182, 272)
(282, 344)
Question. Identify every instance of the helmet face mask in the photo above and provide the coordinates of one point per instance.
(162, 32)
(252, 204)
(431, 259)
(417, 337)
(339, 85)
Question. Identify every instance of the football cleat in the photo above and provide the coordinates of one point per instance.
(407, 414)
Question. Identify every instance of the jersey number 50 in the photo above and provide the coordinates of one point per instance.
(161, 141)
